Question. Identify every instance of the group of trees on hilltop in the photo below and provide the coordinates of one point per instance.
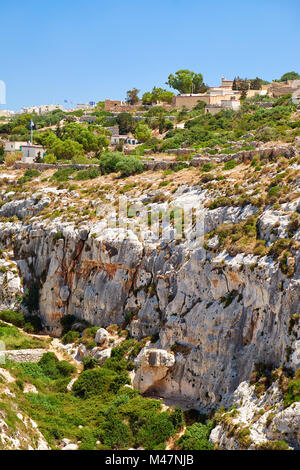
(290, 76)
(186, 81)
(157, 95)
(183, 81)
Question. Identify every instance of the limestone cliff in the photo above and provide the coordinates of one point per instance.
(218, 313)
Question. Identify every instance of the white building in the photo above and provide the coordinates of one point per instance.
(223, 104)
(231, 104)
(43, 109)
(14, 146)
(32, 152)
(6, 113)
(85, 106)
(127, 139)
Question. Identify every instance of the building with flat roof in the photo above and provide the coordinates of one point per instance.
(32, 153)
(14, 146)
(42, 109)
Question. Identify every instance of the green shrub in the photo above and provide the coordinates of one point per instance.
(28, 176)
(206, 167)
(63, 174)
(293, 392)
(196, 437)
(53, 368)
(155, 431)
(70, 337)
(274, 192)
(90, 363)
(129, 166)
(229, 165)
(50, 158)
(87, 174)
(65, 368)
(93, 382)
(10, 316)
(108, 161)
(273, 445)
(116, 434)
(177, 418)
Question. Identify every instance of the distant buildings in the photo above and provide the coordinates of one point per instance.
(128, 139)
(88, 118)
(214, 96)
(85, 106)
(31, 153)
(6, 113)
(14, 146)
(224, 104)
(119, 106)
(43, 109)
(278, 89)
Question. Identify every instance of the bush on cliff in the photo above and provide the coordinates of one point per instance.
(10, 316)
(196, 437)
(55, 369)
(93, 382)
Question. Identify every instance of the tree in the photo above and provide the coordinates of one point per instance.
(129, 165)
(186, 81)
(132, 96)
(66, 149)
(126, 123)
(142, 132)
(290, 76)
(157, 94)
(147, 98)
(255, 84)
(242, 85)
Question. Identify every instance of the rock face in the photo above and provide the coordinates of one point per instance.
(24, 207)
(11, 289)
(218, 314)
(152, 367)
(254, 421)
(286, 424)
(101, 336)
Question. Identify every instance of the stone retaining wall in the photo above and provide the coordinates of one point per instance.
(51, 166)
(197, 160)
(24, 355)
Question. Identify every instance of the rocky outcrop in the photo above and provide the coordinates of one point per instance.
(24, 207)
(218, 314)
(11, 288)
(152, 367)
(256, 422)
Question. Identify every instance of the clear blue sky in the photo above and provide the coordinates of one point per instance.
(84, 50)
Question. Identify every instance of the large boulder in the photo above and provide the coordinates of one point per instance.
(101, 336)
(152, 367)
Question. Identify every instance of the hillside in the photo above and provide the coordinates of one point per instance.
(162, 311)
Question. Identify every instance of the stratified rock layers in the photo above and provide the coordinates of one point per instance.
(219, 315)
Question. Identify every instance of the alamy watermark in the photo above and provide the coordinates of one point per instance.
(2, 352)
(155, 222)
